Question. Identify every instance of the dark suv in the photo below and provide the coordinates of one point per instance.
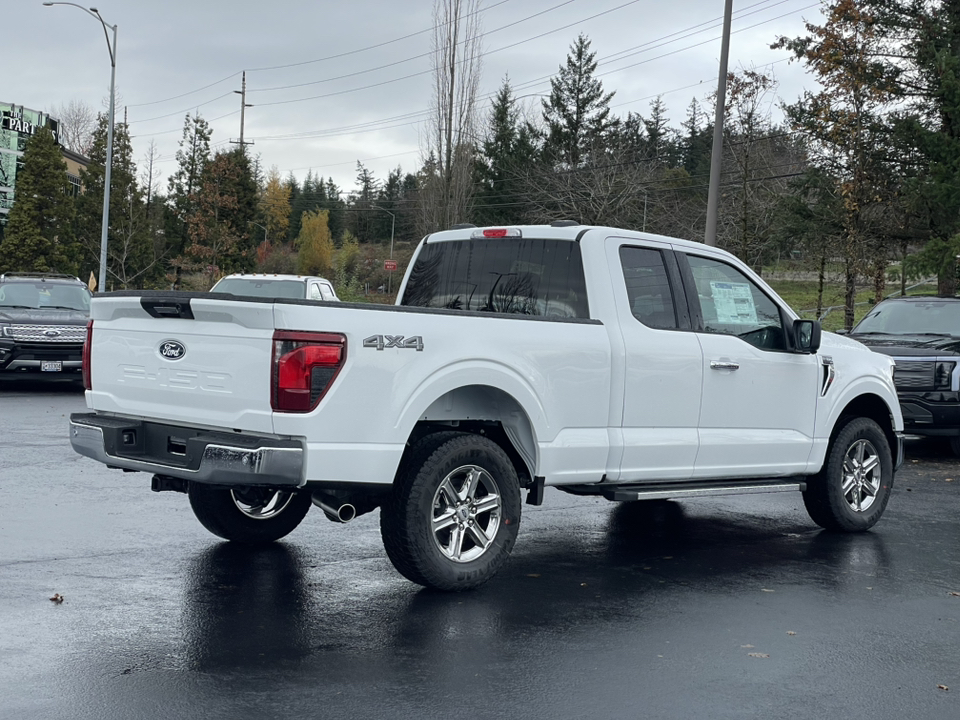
(43, 322)
(922, 335)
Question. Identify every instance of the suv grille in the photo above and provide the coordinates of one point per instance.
(48, 333)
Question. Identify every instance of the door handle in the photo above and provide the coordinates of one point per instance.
(723, 365)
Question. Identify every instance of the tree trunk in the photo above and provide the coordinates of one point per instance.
(947, 278)
(850, 294)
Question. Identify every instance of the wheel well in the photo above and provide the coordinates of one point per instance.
(487, 411)
(869, 406)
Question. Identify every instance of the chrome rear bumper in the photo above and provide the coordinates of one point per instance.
(196, 455)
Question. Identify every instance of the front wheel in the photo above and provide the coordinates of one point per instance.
(249, 515)
(851, 492)
(453, 516)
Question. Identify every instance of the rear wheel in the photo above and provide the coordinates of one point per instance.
(250, 515)
(851, 492)
(453, 516)
(955, 445)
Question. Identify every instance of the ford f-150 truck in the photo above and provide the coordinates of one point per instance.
(594, 360)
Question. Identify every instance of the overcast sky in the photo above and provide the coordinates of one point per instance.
(332, 83)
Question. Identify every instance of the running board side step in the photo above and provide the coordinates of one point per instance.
(666, 491)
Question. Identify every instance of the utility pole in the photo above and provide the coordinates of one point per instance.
(242, 92)
(716, 157)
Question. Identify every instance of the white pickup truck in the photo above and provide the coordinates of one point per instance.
(597, 361)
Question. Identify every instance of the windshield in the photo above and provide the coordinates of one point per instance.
(262, 287)
(523, 276)
(40, 295)
(940, 317)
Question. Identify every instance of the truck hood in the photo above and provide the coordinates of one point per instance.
(911, 345)
(42, 316)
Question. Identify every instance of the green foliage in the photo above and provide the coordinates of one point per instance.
(346, 266)
(315, 244)
(39, 233)
(217, 228)
(508, 148)
(577, 113)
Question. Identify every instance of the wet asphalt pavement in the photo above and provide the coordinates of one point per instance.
(724, 608)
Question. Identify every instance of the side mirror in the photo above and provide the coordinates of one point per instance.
(806, 336)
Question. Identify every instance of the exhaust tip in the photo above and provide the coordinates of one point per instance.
(334, 508)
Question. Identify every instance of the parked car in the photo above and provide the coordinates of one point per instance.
(43, 322)
(309, 287)
(922, 335)
(599, 361)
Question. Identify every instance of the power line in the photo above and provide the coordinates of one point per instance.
(409, 59)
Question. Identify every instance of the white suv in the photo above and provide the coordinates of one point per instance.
(309, 287)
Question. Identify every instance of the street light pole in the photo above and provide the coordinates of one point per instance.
(393, 225)
(105, 220)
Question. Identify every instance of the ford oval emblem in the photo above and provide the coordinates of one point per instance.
(51, 333)
(172, 350)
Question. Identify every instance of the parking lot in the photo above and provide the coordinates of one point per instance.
(717, 608)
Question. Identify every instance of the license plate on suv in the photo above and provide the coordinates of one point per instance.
(51, 366)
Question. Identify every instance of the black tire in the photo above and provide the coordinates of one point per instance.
(859, 456)
(452, 517)
(248, 515)
(955, 445)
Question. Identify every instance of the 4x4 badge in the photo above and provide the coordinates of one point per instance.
(172, 350)
(394, 341)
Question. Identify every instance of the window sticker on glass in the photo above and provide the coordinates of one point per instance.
(734, 303)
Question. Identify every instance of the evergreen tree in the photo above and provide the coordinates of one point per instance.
(192, 157)
(218, 228)
(132, 258)
(39, 234)
(924, 69)
(505, 153)
(577, 114)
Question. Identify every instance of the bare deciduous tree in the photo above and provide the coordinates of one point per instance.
(449, 143)
(77, 122)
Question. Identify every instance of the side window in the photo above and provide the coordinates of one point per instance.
(648, 287)
(327, 292)
(732, 304)
(314, 293)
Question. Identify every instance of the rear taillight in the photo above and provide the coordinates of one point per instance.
(87, 378)
(304, 366)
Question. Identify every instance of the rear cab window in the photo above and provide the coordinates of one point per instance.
(522, 276)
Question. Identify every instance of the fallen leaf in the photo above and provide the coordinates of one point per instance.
(790, 632)
(949, 480)
(758, 655)
(583, 584)
(766, 590)
(955, 593)
(942, 687)
(533, 574)
(909, 489)
(914, 461)
(57, 598)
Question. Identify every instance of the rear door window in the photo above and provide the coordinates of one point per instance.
(648, 287)
(524, 276)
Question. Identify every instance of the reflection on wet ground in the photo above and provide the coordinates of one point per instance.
(725, 608)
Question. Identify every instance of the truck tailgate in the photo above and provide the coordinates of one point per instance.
(207, 363)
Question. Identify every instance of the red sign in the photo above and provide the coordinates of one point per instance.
(390, 265)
